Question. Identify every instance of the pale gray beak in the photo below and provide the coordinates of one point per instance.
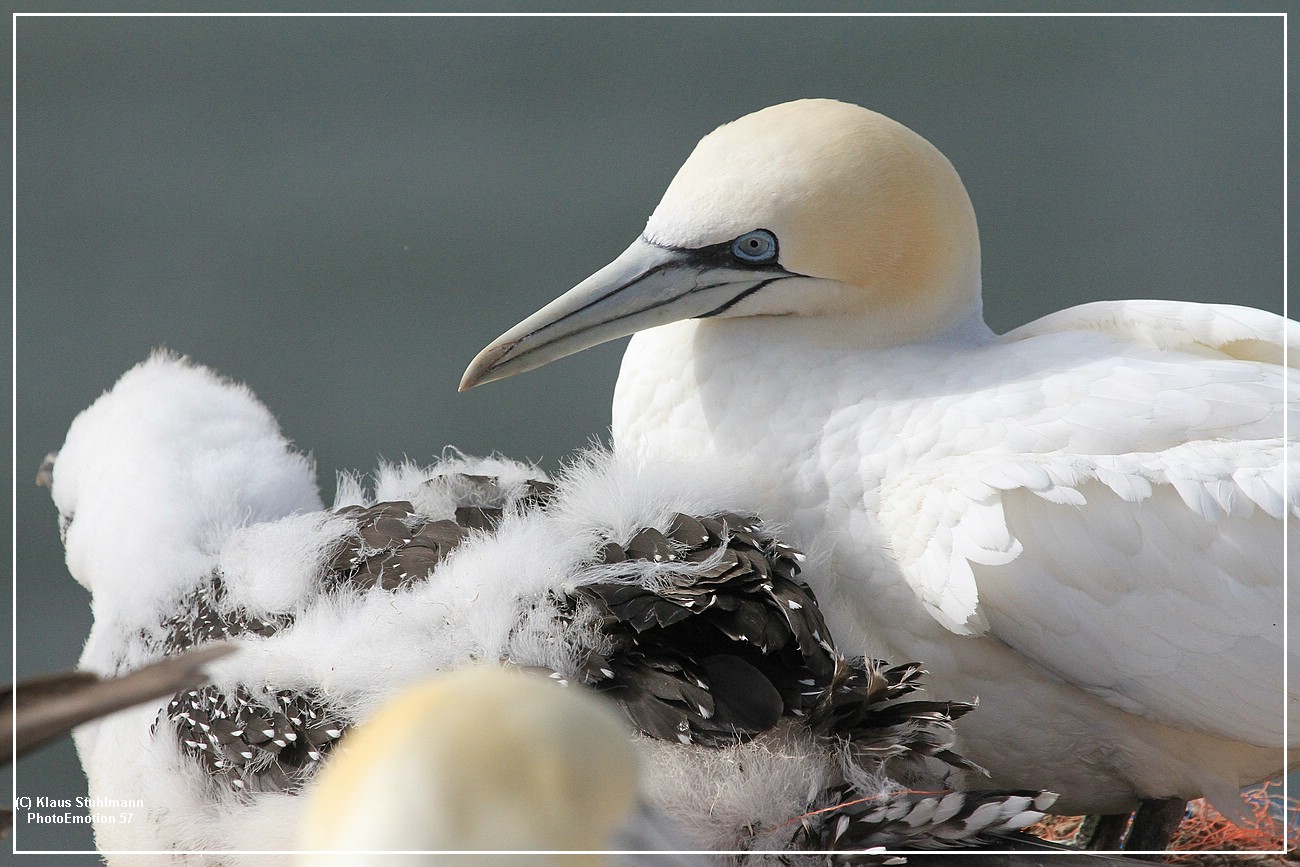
(647, 285)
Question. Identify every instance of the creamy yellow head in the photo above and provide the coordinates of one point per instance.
(484, 758)
(851, 196)
(814, 209)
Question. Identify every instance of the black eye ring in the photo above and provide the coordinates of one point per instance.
(755, 248)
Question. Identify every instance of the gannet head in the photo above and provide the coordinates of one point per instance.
(814, 208)
(481, 758)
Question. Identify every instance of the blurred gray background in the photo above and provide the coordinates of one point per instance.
(341, 212)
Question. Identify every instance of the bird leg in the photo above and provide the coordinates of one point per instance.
(1102, 833)
(1154, 825)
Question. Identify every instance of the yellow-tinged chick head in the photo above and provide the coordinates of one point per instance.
(815, 208)
(481, 759)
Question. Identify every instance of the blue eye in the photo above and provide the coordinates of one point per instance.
(755, 248)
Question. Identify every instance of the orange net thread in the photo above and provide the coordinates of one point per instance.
(1056, 829)
(1206, 829)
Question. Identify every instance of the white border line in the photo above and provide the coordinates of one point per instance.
(14, 374)
(1287, 816)
(651, 14)
(13, 418)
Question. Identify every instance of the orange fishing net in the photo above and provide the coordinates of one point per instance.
(1207, 830)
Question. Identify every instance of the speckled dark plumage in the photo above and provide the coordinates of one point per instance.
(394, 546)
(841, 819)
(717, 657)
(269, 745)
(203, 616)
(864, 704)
(709, 656)
(716, 643)
(252, 745)
(725, 654)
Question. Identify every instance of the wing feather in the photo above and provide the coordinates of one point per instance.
(1123, 526)
(1227, 330)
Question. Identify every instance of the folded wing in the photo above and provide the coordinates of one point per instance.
(1125, 530)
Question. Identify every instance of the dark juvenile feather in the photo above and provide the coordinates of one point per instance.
(38, 710)
(272, 743)
(394, 547)
(908, 819)
(713, 655)
(391, 547)
(864, 705)
(743, 695)
(716, 655)
(203, 616)
(254, 745)
(718, 643)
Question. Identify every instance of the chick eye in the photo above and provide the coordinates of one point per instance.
(756, 247)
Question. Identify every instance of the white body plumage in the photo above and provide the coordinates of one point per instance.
(1079, 527)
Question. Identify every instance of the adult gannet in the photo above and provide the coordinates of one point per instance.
(642, 582)
(1080, 521)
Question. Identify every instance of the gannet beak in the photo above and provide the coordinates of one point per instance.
(45, 475)
(647, 285)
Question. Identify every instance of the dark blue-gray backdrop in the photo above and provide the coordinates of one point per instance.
(341, 211)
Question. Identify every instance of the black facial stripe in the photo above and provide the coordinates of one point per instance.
(698, 259)
(718, 256)
(662, 266)
(750, 291)
(666, 301)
